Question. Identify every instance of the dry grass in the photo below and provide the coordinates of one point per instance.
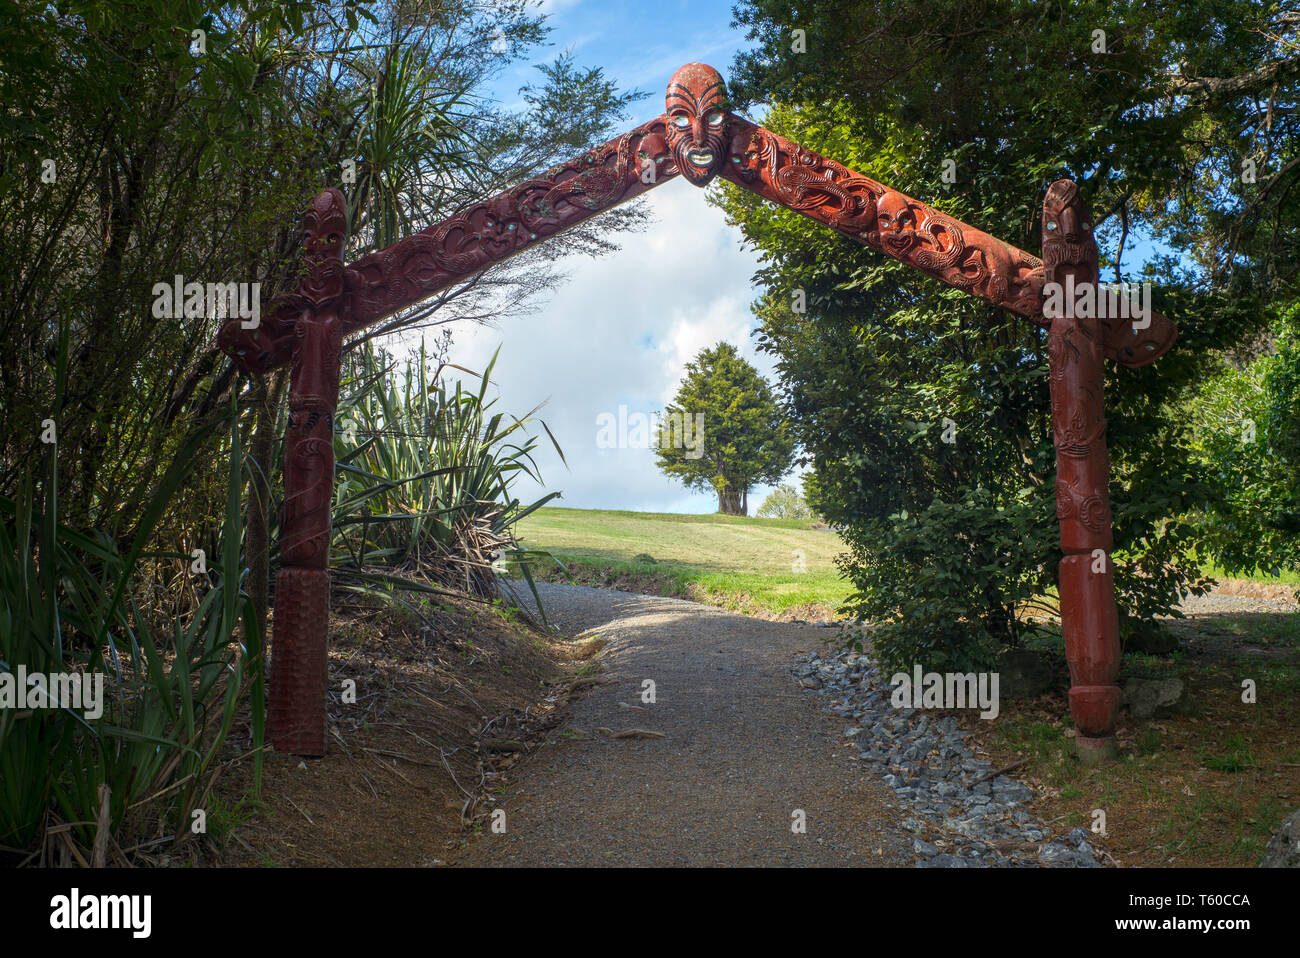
(441, 715)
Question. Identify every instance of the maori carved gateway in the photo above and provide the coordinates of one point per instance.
(699, 139)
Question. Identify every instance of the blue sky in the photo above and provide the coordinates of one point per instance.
(637, 44)
(619, 330)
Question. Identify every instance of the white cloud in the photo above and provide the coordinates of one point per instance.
(619, 332)
(727, 319)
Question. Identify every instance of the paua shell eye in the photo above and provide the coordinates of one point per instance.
(1050, 226)
(1087, 225)
(715, 119)
(681, 121)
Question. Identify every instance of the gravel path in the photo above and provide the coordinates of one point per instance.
(1219, 602)
(743, 748)
(760, 721)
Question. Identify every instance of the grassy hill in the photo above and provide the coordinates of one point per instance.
(733, 561)
(736, 562)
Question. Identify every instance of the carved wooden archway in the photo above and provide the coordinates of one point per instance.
(698, 138)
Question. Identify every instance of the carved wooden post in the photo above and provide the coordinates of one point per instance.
(299, 648)
(308, 326)
(1076, 347)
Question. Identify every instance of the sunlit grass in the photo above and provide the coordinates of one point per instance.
(1284, 578)
(775, 564)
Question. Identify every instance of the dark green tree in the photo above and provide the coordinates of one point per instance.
(724, 430)
(952, 541)
(1247, 427)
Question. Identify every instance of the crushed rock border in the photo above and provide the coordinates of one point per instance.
(928, 762)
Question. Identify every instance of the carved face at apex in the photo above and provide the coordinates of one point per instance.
(325, 228)
(697, 106)
(324, 234)
(1067, 228)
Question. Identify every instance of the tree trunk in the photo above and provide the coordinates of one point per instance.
(729, 502)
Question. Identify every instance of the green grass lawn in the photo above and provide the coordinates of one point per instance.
(734, 561)
(737, 562)
(1284, 578)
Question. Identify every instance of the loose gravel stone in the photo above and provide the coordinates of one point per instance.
(959, 818)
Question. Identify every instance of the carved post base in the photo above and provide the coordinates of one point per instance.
(1090, 623)
(299, 662)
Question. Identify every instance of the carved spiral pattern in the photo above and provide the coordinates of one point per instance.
(497, 228)
(1091, 508)
(884, 219)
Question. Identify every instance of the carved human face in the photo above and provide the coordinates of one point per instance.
(324, 228)
(324, 233)
(896, 222)
(1067, 228)
(502, 231)
(697, 131)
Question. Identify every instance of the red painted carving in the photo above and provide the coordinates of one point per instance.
(296, 716)
(884, 219)
(413, 269)
(299, 661)
(907, 229)
(699, 139)
(1089, 619)
(1133, 347)
(497, 228)
(698, 130)
(309, 446)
